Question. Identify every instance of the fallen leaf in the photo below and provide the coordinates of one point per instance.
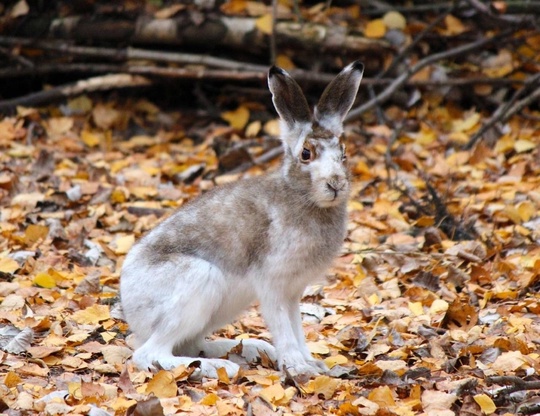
(8, 265)
(485, 403)
(238, 118)
(162, 385)
(92, 315)
(265, 24)
(322, 385)
(375, 29)
(394, 20)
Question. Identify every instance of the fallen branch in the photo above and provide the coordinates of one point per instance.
(105, 82)
(233, 75)
(125, 54)
(511, 385)
(402, 79)
(508, 108)
(186, 30)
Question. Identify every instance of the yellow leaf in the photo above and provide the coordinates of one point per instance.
(238, 118)
(11, 379)
(465, 124)
(323, 385)
(454, 25)
(209, 399)
(375, 29)
(44, 280)
(416, 308)
(75, 389)
(425, 136)
(108, 336)
(253, 129)
(124, 243)
(272, 127)
(8, 265)
(521, 145)
(394, 20)
(374, 299)
(223, 376)
(526, 210)
(80, 104)
(35, 232)
(91, 139)
(92, 315)
(272, 394)
(264, 24)
(438, 306)
(319, 347)
(284, 62)
(121, 404)
(119, 195)
(485, 403)
(382, 396)
(163, 385)
(504, 144)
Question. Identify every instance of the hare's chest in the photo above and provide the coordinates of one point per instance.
(306, 251)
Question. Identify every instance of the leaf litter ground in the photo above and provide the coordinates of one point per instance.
(413, 319)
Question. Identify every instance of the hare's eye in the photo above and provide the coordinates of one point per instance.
(306, 155)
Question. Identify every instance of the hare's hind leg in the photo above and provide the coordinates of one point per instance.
(250, 349)
(182, 297)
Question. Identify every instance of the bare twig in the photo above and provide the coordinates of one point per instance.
(399, 58)
(402, 79)
(105, 82)
(204, 73)
(508, 108)
(273, 47)
(485, 10)
(388, 154)
(513, 384)
(124, 54)
(17, 58)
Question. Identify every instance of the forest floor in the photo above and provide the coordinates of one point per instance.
(431, 308)
(413, 319)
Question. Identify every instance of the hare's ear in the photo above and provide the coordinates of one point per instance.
(338, 98)
(289, 100)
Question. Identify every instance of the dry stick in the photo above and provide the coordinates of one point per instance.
(273, 42)
(399, 81)
(105, 82)
(508, 108)
(513, 384)
(399, 58)
(132, 53)
(485, 10)
(203, 73)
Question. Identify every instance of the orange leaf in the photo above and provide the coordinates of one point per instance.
(375, 29)
(163, 385)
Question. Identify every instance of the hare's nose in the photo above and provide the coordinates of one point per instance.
(333, 188)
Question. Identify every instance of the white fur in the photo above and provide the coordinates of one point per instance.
(263, 239)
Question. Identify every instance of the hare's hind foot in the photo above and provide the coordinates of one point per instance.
(249, 349)
(205, 367)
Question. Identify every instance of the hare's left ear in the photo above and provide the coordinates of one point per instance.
(338, 98)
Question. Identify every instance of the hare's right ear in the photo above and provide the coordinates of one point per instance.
(289, 100)
(338, 98)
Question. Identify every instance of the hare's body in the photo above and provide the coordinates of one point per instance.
(264, 238)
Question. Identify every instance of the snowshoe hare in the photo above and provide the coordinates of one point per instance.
(264, 238)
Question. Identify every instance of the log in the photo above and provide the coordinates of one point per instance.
(214, 31)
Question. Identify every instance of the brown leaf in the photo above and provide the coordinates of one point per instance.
(148, 407)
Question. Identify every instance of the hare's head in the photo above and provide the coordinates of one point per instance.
(314, 148)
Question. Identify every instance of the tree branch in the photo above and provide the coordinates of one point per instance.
(105, 82)
(402, 79)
